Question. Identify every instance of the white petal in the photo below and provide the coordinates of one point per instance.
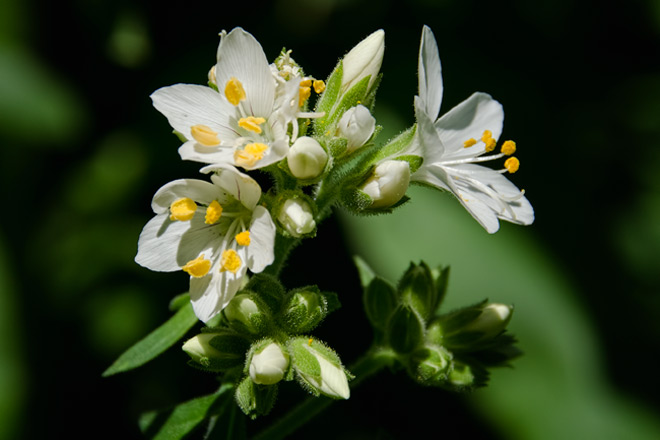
(427, 140)
(430, 74)
(240, 55)
(186, 105)
(260, 252)
(469, 120)
(241, 186)
(210, 294)
(192, 150)
(197, 190)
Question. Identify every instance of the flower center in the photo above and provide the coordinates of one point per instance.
(511, 165)
(182, 209)
(243, 238)
(250, 155)
(230, 261)
(205, 135)
(198, 267)
(213, 213)
(251, 123)
(234, 91)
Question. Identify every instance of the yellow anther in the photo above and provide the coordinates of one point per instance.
(250, 155)
(306, 82)
(305, 93)
(198, 267)
(251, 123)
(490, 144)
(182, 209)
(213, 213)
(469, 142)
(508, 148)
(487, 135)
(230, 261)
(512, 164)
(319, 86)
(243, 238)
(234, 91)
(205, 135)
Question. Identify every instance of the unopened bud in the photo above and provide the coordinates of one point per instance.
(430, 365)
(216, 351)
(356, 125)
(364, 59)
(269, 365)
(320, 369)
(306, 158)
(296, 217)
(245, 314)
(303, 310)
(493, 320)
(388, 183)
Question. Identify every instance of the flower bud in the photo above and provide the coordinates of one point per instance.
(303, 310)
(364, 59)
(306, 158)
(320, 369)
(216, 351)
(356, 125)
(296, 217)
(269, 365)
(492, 321)
(472, 328)
(388, 183)
(245, 314)
(199, 349)
(430, 365)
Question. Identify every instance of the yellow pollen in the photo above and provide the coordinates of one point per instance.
(198, 267)
(182, 209)
(230, 261)
(251, 123)
(205, 135)
(243, 238)
(490, 145)
(306, 82)
(319, 86)
(469, 143)
(250, 155)
(234, 91)
(213, 213)
(305, 92)
(508, 148)
(487, 135)
(512, 164)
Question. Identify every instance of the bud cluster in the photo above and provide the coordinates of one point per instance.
(262, 338)
(449, 350)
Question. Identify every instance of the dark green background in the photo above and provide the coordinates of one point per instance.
(82, 152)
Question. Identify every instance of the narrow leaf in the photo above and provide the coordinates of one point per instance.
(155, 342)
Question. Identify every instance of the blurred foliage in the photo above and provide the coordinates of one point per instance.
(83, 151)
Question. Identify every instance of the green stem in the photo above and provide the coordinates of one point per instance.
(371, 363)
(283, 246)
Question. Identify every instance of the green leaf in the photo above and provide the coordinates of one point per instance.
(155, 342)
(177, 422)
(328, 99)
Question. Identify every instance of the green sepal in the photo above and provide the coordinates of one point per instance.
(463, 377)
(268, 288)
(303, 361)
(405, 330)
(417, 289)
(214, 86)
(414, 161)
(356, 201)
(255, 400)
(396, 145)
(369, 100)
(365, 271)
(429, 365)
(352, 97)
(180, 135)
(233, 347)
(303, 309)
(328, 98)
(440, 280)
(380, 300)
(337, 146)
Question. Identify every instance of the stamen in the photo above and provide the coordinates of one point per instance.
(251, 123)
(230, 261)
(250, 155)
(306, 82)
(512, 164)
(305, 93)
(182, 209)
(243, 238)
(213, 213)
(490, 144)
(487, 135)
(508, 148)
(234, 91)
(469, 143)
(319, 86)
(198, 267)
(205, 135)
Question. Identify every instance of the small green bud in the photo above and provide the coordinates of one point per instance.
(379, 302)
(405, 330)
(319, 368)
(417, 289)
(245, 313)
(269, 365)
(297, 217)
(493, 320)
(387, 184)
(253, 399)
(306, 158)
(429, 365)
(216, 351)
(474, 327)
(303, 310)
(461, 376)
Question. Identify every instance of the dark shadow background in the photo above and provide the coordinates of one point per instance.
(83, 152)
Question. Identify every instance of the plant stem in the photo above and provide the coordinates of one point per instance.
(369, 364)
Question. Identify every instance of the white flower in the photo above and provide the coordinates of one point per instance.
(200, 350)
(307, 158)
(356, 125)
(363, 60)
(213, 231)
(243, 124)
(269, 365)
(388, 183)
(452, 145)
(296, 217)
